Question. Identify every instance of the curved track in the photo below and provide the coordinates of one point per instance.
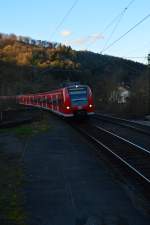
(136, 158)
(123, 122)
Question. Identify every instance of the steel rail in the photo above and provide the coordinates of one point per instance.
(123, 122)
(125, 140)
(85, 131)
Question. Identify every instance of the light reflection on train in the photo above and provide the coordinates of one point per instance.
(67, 101)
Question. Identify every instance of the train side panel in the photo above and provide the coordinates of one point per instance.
(62, 101)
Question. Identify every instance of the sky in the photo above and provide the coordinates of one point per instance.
(82, 24)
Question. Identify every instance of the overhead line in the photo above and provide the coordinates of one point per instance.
(130, 3)
(146, 45)
(117, 24)
(134, 57)
(119, 16)
(64, 18)
(113, 31)
(132, 28)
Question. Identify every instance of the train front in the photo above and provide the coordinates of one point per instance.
(81, 100)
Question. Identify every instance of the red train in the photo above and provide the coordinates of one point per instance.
(67, 101)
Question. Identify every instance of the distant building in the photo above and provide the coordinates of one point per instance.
(120, 95)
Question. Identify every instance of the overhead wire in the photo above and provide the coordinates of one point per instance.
(118, 19)
(143, 59)
(122, 36)
(64, 18)
(113, 31)
(145, 46)
(134, 57)
(117, 24)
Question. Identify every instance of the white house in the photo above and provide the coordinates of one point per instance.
(120, 95)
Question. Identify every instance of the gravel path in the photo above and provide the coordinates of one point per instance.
(67, 184)
(127, 133)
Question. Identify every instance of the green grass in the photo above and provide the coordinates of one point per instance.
(11, 197)
(27, 130)
(24, 130)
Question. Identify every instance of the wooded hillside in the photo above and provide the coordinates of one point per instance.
(32, 66)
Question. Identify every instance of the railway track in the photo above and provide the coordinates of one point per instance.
(134, 157)
(124, 123)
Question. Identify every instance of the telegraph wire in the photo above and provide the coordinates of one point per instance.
(119, 15)
(118, 19)
(112, 22)
(117, 24)
(134, 57)
(113, 31)
(122, 36)
(64, 18)
(145, 46)
(142, 58)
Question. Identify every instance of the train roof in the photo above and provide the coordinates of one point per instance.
(56, 90)
(68, 84)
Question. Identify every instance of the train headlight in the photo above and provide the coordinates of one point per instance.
(67, 107)
(90, 105)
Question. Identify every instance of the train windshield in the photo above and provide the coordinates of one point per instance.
(78, 96)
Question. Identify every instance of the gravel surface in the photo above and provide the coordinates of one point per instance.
(134, 136)
(68, 184)
(65, 183)
(144, 122)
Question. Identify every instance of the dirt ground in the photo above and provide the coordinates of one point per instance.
(50, 175)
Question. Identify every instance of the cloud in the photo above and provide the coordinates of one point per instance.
(96, 37)
(85, 40)
(65, 33)
(80, 41)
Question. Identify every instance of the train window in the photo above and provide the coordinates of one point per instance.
(41, 100)
(78, 96)
(32, 100)
(49, 101)
(55, 100)
(36, 100)
(60, 101)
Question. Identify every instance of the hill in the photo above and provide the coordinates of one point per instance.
(28, 65)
